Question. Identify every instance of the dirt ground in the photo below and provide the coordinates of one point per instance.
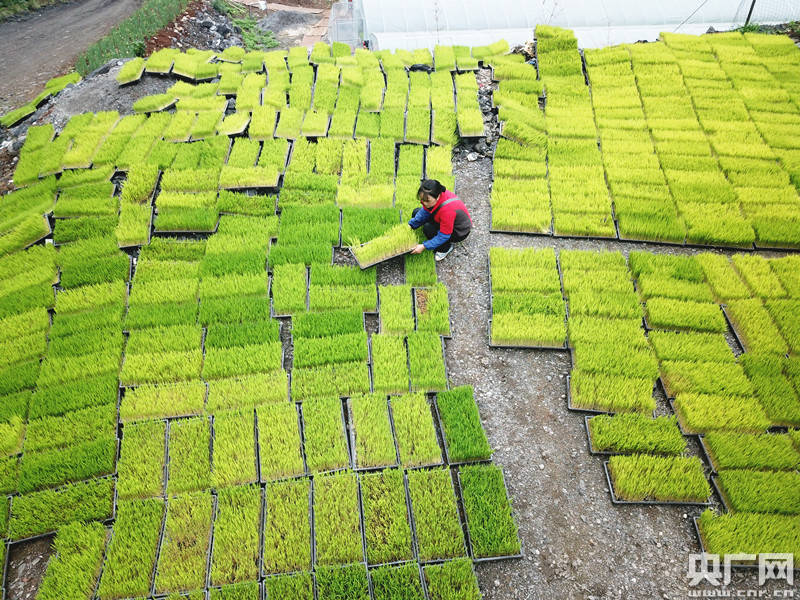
(31, 55)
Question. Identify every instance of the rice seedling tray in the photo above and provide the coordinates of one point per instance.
(377, 262)
(414, 553)
(449, 316)
(615, 500)
(443, 441)
(577, 409)
(194, 235)
(352, 440)
(548, 233)
(733, 565)
(468, 537)
(719, 490)
(707, 455)
(681, 426)
(732, 327)
(590, 443)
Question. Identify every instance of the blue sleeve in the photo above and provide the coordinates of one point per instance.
(436, 241)
(421, 216)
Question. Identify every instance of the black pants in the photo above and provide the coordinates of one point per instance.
(431, 228)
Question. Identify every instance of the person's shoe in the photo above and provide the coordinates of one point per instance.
(442, 255)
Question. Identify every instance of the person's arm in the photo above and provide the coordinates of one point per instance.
(436, 241)
(446, 225)
(420, 218)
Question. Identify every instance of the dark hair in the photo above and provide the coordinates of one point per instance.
(430, 187)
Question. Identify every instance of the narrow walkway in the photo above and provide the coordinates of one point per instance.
(46, 43)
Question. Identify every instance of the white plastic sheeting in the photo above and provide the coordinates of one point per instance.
(389, 24)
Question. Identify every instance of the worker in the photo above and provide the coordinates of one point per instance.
(443, 217)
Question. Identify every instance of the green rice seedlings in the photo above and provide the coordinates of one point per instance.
(641, 477)
(161, 367)
(453, 579)
(287, 530)
(700, 413)
(315, 124)
(233, 310)
(245, 360)
(396, 309)
(749, 532)
(470, 122)
(289, 123)
(331, 297)
(680, 314)
(342, 583)
(342, 379)
(236, 537)
(373, 444)
(189, 460)
(292, 587)
(426, 362)
(289, 288)
(415, 430)
(168, 313)
(783, 312)
(368, 125)
(61, 399)
(187, 535)
(262, 123)
(773, 389)
(761, 492)
(755, 270)
(12, 434)
(397, 582)
(310, 352)
(234, 449)
(702, 377)
(336, 519)
(436, 519)
(154, 103)
(228, 336)
(488, 512)
(389, 364)
(131, 554)
(386, 523)
(343, 122)
(675, 345)
(324, 432)
(164, 339)
(760, 451)
(19, 377)
(9, 474)
(41, 512)
(420, 270)
(74, 569)
(610, 393)
(432, 310)
(755, 327)
(226, 394)
(324, 324)
(39, 470)
(279, 439)
(461, 424)
(632, 433)
(70, 429)
(140, 468)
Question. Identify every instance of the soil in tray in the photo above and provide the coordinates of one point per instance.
(27, 562)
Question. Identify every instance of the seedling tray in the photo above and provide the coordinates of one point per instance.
(591, 411)
(679, 420)
(706, 454)
(352, 439)
(447, 460)
(372, 264)
(548, 233)
(615, 500)
(732, 327)
(521, 553)
(719, 489)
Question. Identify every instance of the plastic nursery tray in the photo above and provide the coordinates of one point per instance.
(683, 431)
(414, 554)
(352, 437)
(591, 411)
(707, 454)
(414, 313)
(271, 301)
(521, 553)
(446, 446)
(616, 500)
(432, 465)
(548, 233)
(729, 321)
(372, 264)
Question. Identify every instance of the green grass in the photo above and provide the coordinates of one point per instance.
(462, 428)
(760, 491)
(131, 554)
(325, 442)
(189, 459)
(438, 527)
(452, 580)
(491, 526)
(397, 583)
(187, 535)
(40, 512)
(336, 521)
(750, 532)
(72, 572)
(140, 468)
(764, 451)
(235, 558)
(386, 523)
(234, 449)
(287, 528)
(374, 442)
(416, 434)
(279, 439)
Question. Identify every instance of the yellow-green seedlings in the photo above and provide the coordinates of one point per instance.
(372, 432)
(416, 435)
(279, 441)
(324, 433)
(287, 528)
(235, 557)
(488, 511)
(387, 528)
(461, 424)
(641, 477)
(426, 362)
(234, 449)
(189, 459)
(187, 535)
(336, 521)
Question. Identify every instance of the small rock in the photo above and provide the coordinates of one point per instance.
(472, 156)
(224, 30)
(207, 24)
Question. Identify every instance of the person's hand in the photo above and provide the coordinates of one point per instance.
(418, 249)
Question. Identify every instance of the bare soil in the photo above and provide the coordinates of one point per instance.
(44, 44)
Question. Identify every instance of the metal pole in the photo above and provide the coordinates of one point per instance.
(750, 13)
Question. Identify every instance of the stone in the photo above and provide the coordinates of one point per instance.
(207, 24)
(472, 156)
